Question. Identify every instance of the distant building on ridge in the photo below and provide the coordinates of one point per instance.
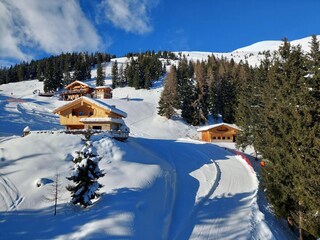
(79, 89)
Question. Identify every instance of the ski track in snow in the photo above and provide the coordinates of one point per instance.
(170, 195)
(222, 205)
(223, 195)
(10, 197)
(200, 204)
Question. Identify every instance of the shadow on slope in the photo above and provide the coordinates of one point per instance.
(127, 213)
(15, 116)
(279, 227)
(109, 218)
(184, 157)
(218, 216)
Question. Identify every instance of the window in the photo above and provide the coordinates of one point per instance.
(97, 127)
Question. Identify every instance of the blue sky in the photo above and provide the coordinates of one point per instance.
(31, 29)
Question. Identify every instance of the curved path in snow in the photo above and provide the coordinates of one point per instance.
(229, 208)
(10, 197)
(228, 213)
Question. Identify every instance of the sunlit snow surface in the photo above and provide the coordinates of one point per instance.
(160, 184)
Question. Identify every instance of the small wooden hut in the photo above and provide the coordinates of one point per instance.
(103, 92)
(219, 132)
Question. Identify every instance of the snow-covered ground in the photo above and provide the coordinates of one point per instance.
(253, 54)
(162, 183)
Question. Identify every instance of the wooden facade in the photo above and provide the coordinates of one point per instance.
(79, 89)
(103, 92)
(86, 113)
(219, 132)
(76, 90)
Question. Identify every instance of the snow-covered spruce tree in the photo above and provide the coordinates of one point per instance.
(85, 175)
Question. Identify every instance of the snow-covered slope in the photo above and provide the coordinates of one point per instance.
(274, 45)
(253, 53)
(160, 184)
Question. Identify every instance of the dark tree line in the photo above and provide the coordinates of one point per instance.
(277, 107)
(159, 54)
(139, 72)
(54, 70)
(279, 114)
(202, 88)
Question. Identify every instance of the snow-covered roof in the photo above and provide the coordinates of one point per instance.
(106, 106)
(205, 128)
(102, 87)
(102, 120)
(96, 102)
(79, 82)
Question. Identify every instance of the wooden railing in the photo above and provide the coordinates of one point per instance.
(116, 134)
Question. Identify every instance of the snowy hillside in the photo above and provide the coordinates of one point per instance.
(253, 53)
(160, 184)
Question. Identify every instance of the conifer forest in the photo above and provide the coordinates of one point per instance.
(276, 105)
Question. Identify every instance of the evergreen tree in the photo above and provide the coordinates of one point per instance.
(49, 85)
(122, 77)
(228, 98)
(249, 106)
(200, 105)
(80, 69)
(57, 76)
(216, 104)
(87, 67)
(20, 73)
(169, 96)
(129, 72)
(66, 74)
(289, 138)
(100, 74)
(115, 75)
(147, 78)
(187, 91)
(136, 77)
(85, 176)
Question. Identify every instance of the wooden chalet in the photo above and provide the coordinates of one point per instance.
(87, 113)
(218, 132)
(103, 92)
(75, 90)
(79, 89)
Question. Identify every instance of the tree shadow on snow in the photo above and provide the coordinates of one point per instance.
(128, 213)
(184, 158)
(14, 117)
(110, 218)
(219, 216)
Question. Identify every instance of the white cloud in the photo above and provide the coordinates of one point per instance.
(9, 43)
(52, 26)
(129, 15)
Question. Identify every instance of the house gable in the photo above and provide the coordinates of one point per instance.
(77, 85)
(71, 114)
(219, 132)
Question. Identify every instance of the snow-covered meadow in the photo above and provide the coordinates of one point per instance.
(162, 183)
